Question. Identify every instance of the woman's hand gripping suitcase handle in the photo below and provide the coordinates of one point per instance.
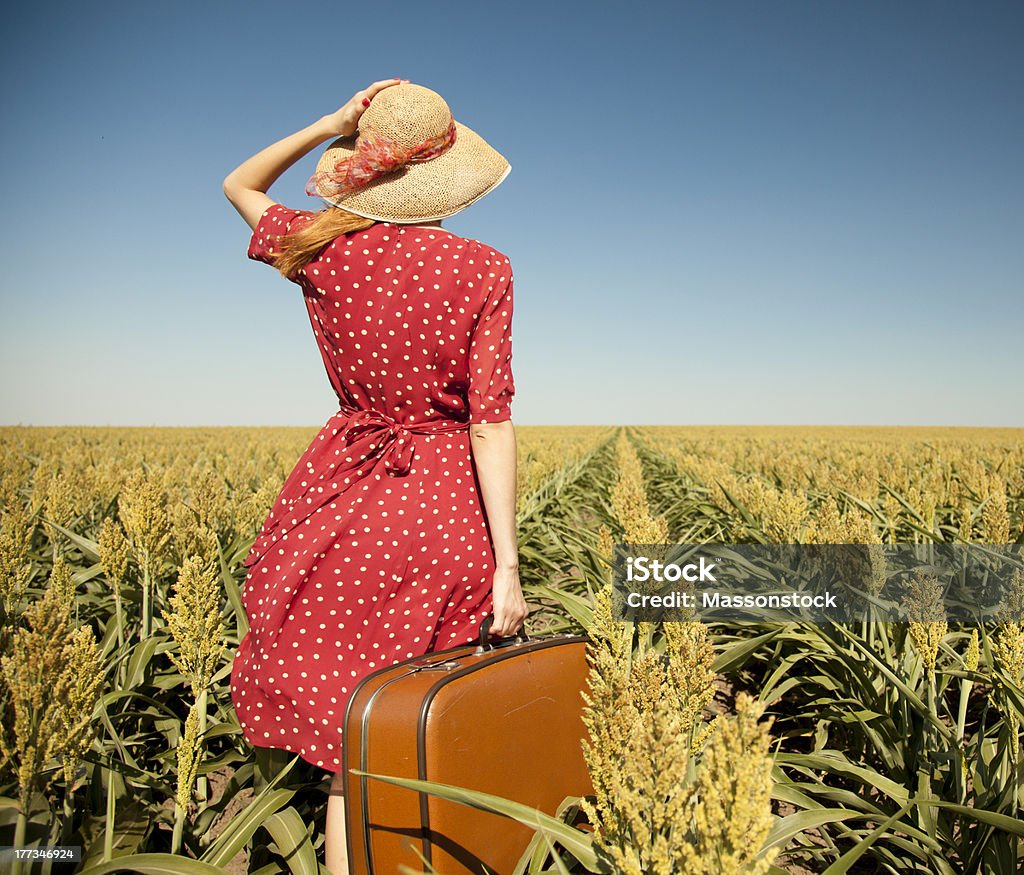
(508, 606)
(485, 634)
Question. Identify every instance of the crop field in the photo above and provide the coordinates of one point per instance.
(713, 748)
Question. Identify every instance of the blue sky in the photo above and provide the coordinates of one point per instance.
(718, 213)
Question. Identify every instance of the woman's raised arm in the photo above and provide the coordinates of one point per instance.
(246, 186)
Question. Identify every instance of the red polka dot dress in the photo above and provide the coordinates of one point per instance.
(377, 548)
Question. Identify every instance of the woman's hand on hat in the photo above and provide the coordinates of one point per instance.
(345, 121)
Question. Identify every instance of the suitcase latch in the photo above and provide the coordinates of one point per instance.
(443, 665)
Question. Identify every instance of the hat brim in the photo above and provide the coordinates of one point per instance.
(426, 190)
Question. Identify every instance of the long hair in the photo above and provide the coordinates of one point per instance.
(295, 250)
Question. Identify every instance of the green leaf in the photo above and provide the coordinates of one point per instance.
(89, 547)
(843, 864)
(736, 654)
(747, 517)
(576, 606)
(577, 843)
(900, 684)
(786, 828)
(243, 825)
(142, 653)
(292, 842)
(155, 864)
(559, 863)
(234, 594)
(999, 821)
(834, 762)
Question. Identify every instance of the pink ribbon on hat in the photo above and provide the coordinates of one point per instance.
(375, 156)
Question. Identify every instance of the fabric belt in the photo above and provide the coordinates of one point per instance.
(392, 440)
(321, 474)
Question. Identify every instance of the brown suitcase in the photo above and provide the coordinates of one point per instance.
(502, 716)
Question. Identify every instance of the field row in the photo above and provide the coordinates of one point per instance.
(895, 746)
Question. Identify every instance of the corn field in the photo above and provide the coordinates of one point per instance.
(752, 748)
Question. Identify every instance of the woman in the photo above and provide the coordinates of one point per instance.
(394, 535)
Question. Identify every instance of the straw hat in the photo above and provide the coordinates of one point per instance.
(409, 161)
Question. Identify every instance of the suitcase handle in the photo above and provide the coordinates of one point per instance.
(508, 641)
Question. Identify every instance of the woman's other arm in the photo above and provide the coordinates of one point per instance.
(494, 453)
(246, 186)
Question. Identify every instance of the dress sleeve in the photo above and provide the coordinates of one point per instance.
(276, 221)
(491, 386)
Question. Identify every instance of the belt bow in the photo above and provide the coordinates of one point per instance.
(392, 440)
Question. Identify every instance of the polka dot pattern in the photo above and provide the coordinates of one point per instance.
(364, 561)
